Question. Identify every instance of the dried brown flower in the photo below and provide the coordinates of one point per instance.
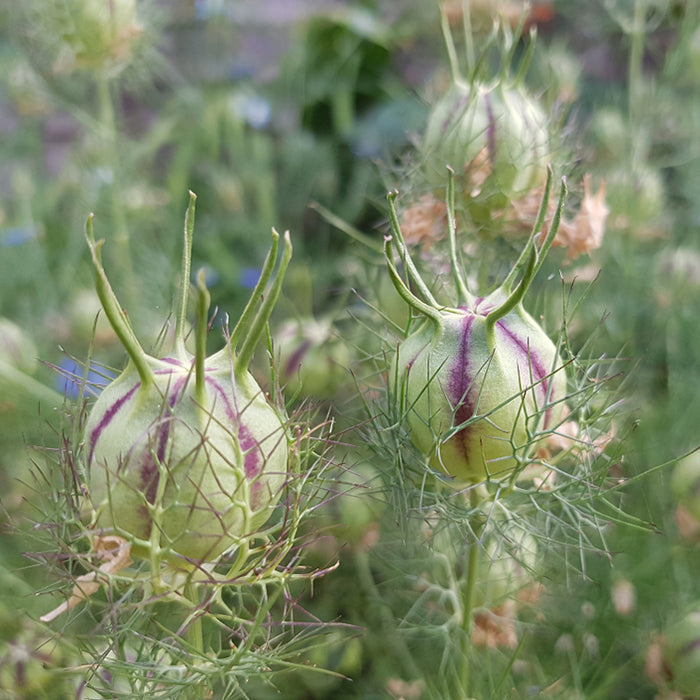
(424, 223)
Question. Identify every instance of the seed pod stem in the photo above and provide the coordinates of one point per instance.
(185, 277)
(450, 45)
(115, 314)
(242, 361)
(200, 353)
(241, 327)
(463, 295)
(404, 292)
(403, 252)
(541, 252)
(517, 296)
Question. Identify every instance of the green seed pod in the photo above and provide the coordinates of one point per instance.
(685, 483)
(682, 654)
(313, 358)
(506, 565)
(186, 456)
(494, 137)
(16, 348)
(476, 380)
(504, 373)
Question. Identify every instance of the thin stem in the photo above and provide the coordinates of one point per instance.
(194, 634)
(346, 228)
(449, 45)
(107, 124)
(115, 314)
(242, 361)
(516, 297)
(244, 321)
(404, 292)
(463, 295)
(536, 230)
(185, 276)
(553, 229)
(468, 35)
(413, 274)
(203, 302)
(476, 497)
(525, 61)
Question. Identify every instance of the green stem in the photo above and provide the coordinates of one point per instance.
(516, 297)
(194, 634)
(114, 312)
(242, 361)
(413, 274)
(404, 292)
(346, 228)
(476, 497)
(532, 257)
(531, 242)
(468, 36)
(241, 328)
(200, 353)
(449, 45)
(107, 122)
(463, 295)
(181, 320)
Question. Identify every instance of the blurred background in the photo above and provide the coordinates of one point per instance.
(302, 115)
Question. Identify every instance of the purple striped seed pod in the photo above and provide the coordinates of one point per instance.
(205, 471)
(475, 392)
(186, 456)
(494, 137)
(476, 382)
(314, 359)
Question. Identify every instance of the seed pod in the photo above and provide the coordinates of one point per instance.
(477, 380)
(186, 456)
(682, 654)
(313, 358)
(494, 137)
(685, 483)
(507, 565)
(17, 349)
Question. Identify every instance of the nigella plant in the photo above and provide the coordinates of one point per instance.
(497, 444)
(187, 483)
(477, 378)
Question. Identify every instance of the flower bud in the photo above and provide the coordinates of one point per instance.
(476, 390)
(507, 564)
(476, 381)
(685, 483)
(186, 456)
(682, 654)
(313, 358)
(16, 348)
(494, 137)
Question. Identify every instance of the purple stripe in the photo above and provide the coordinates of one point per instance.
(149, 473)
(456, 112)
(246, 441)
(294, 362)
(173, 361)
(459, 388)
(491, 130)
(535, 365)
(107, 418)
